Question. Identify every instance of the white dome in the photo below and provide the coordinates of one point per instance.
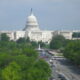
(32, 23)
(31, 18)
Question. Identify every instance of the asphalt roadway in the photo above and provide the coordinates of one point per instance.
(68, 69)
(64, 67)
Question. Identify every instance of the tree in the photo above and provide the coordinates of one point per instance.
(72, 51)
(30, 52)
(34, 44)
(39, 72)
(5, 59)
(20, 61)
(21, 40)
(12, 72)
(42, 44)
(4, 37)
(28, 39)
(45, 67)
(57, 42)
(76, 35)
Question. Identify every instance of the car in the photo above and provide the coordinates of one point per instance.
(62, 77)
(53, 65)
(52, 78)
(51, 60)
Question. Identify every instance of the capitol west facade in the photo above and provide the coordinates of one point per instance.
(33, 31)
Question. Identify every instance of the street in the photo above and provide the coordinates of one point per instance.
(68, 69)
(63, 67)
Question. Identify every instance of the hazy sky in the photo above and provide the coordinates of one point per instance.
(51, 14)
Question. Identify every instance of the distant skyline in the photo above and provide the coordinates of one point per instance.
(51, 14)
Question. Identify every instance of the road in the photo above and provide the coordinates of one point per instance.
(46, 56)
(68, 69)
(63, 66)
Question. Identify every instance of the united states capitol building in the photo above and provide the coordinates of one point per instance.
(33, 31)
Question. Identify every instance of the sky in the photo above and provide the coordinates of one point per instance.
(51, 14)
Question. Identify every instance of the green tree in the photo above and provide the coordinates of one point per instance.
(12, 72)
(27, 39)
(39, 72)
(34, 44)
(20, 61)
(21, 40)
(4, 37)
(57, 42)
(72, 51)
(5, 59)
(76, 35)
(30, 52)
(42, 44)
(45, 67)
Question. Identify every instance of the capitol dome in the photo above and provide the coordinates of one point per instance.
(32, 23)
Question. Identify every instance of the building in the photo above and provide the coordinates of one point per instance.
(33, 31)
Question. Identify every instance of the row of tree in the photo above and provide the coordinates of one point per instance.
(5, 38)
(76, 35)
(57, 42)
(19, 61)
(70, 48)
(72, 51)
(33, 43)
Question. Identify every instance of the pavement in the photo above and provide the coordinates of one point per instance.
(64, 67)
(69, 70)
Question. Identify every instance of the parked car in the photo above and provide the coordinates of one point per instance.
(62, 77)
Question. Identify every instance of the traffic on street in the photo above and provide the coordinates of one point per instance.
(60, 67)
